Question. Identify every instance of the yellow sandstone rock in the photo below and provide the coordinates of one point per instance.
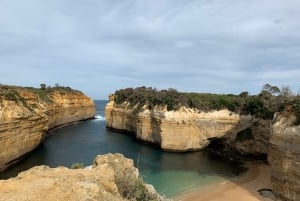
(182, 130)
(26, 114)
(111, 178)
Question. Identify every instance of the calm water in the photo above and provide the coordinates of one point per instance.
(170, 173)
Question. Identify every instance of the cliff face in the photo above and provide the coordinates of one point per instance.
(181, 130)
(188, 129)
(26, 114)
(111, 178)
(254, 140)
(284, 157)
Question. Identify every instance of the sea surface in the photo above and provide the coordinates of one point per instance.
(170, 173)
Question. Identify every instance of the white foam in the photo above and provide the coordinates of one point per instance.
(100, 117)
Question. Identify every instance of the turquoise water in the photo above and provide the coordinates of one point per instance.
(170, 173)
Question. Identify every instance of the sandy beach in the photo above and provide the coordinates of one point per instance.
(244, 188)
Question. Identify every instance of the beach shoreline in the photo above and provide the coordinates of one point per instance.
(243, 188)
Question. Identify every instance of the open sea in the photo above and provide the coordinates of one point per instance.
(170, 173)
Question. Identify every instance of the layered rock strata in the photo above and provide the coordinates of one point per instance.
(284, 157)
(26, 114)
(182, 130)
(111, 178)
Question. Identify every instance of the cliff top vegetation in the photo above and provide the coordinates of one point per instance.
(263, 105)
(10, 92)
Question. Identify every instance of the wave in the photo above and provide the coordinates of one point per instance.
(99, 117)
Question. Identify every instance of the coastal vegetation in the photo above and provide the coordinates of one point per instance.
(77, 166)
(134, 189)
(10, 92)
(270, 100)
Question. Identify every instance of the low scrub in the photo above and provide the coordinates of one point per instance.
(262, 106)
(77, 166)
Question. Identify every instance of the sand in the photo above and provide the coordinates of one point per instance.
(244, 188)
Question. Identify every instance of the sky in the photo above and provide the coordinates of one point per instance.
(99, 46)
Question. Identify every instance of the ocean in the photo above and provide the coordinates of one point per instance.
(170, 173)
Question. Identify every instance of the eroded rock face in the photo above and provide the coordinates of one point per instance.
(253, 141)
(111, 178)
(284, 157)
(25, 116)
(182, 130)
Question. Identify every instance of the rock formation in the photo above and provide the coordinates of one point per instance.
(27, 113)
(188, 129)
(111, 178)
(284, 157)
(181, 130)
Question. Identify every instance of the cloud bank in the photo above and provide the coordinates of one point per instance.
(99, 46)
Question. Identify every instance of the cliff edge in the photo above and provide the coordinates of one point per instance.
(182, 130)
(27, 113)
(111, 178)
(284, 156)
(187, 129)
(235, 126)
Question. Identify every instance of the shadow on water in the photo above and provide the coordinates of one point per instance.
(170, 173)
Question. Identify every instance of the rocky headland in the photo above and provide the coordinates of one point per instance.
(240, 125)
(188, 128)
(112, 177)
(26, 114)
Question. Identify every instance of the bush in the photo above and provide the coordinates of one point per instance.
(77, 166)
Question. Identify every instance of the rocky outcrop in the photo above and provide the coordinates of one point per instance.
(111, 178)
(225, 131)
(254, 140)
(181, 130)
(27, 113)
(284, 157)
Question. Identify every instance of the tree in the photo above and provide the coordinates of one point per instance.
(266, 87)
(244, 94)
(43, 86)
(286, 91)
(274, 90)
(271, 89)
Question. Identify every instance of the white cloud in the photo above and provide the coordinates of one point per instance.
(218, 46)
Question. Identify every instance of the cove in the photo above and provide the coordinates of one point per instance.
(170, 173)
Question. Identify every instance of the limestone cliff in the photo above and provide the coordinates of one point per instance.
(181, 130)
(27, 113)
(284, 157)
(111, 178)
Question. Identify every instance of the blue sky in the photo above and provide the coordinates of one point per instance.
(98, 46)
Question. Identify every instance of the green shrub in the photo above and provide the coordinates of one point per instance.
(133, 188)
(77, 166)
(11, 95)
